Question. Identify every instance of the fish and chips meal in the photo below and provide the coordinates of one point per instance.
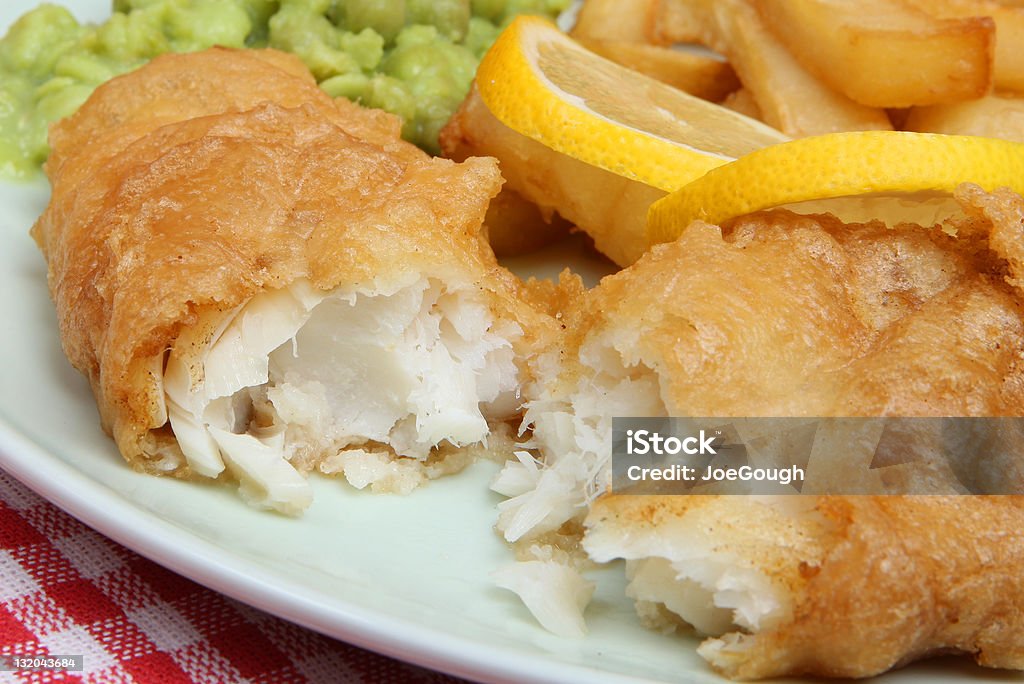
(810, 209)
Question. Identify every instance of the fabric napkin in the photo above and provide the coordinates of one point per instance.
(67, 590)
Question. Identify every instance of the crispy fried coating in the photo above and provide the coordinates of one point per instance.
(804, 316)
(176, 87)
(862, 584)
(174, 220)
(789, 316)
(783, 315)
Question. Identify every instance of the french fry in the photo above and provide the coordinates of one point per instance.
(884, 53)
(627, 21)
(1008, 70)
(898, 116)
(788, 96)
(700, 75)
(992, 116)
(743, 102)
(514, 225)
(681, 21)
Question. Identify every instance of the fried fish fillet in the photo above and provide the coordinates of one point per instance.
(257, 289)
(782, 315)
(795, 316)
(832, 586)
(177, 87)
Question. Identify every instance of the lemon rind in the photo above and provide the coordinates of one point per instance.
(505, 73)
(838, 165)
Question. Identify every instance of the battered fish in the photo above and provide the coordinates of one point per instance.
(257, 289)
(792, 316)
(783, 315)
(831, 586)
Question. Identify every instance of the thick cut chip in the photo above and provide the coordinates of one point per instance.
(682, 21)
(992, 116)
(883, 53)
(788, 96)
(1008, 70)
(743, 102)
(705, 76)
(617, 20)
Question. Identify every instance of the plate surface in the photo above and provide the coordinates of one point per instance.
(405, 576)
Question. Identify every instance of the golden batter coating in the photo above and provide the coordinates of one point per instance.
(176, 87)
(783, 315)
(831, 586)
(178, 228)
(793, 316)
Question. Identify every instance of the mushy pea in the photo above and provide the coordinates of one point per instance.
(414, 58)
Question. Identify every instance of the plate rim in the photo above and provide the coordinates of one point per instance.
(116, 517)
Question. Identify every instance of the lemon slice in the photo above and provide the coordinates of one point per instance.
(542, 84)
(883, 174)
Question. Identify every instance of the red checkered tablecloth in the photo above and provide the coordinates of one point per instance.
(67, 590)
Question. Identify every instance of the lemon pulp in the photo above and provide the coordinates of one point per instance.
(542, 84)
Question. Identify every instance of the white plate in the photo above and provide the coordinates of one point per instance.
(405, 576)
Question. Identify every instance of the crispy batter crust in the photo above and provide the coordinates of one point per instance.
(174, 219)
(875, 581)
(805, 316)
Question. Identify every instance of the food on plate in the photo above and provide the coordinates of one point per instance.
(563, 173)
(707, 77)
(169, 92)
(620, 21)
(828, 586)
(557, 117)
(514, 226)
(1008, 17)
(857, 172)
(50, 63)
(542, 84)
(624, 33)
(414, 59)
(612, 209)
(823, 66)
(778, 315)
(992, 116)
(590, 177)
(789, 97)
(257, 291)
(261, 281)
(743, 102)
(884, 53)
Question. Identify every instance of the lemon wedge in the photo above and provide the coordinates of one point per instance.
(892, 175)
(542, 84)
